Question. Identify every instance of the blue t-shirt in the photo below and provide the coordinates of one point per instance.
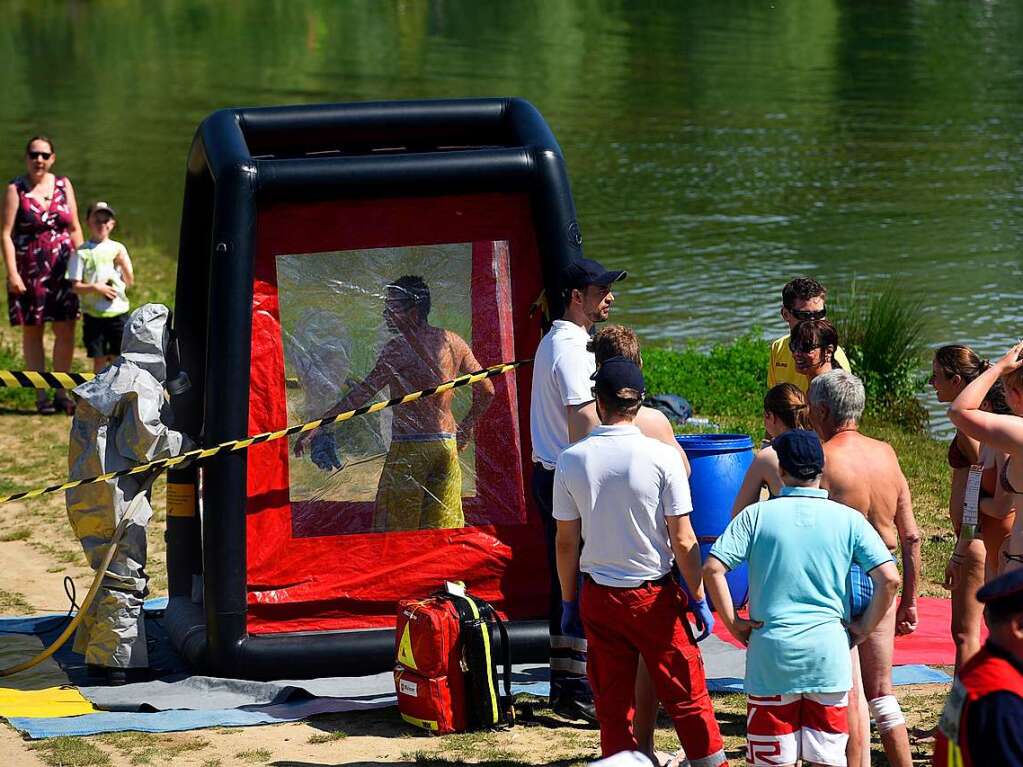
(799, 547)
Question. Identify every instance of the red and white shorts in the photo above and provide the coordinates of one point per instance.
(782, 729)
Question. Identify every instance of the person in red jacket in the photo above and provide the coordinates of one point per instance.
(981, 722)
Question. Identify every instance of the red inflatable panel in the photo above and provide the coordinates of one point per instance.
(312, 565)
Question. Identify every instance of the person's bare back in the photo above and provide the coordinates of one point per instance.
(409, 363)
(864, 473)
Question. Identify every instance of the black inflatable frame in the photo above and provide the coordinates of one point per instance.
(240, 157)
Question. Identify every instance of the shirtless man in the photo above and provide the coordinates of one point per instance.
(864, 473)
(421, 482)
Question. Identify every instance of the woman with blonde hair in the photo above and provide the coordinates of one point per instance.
(785, 408)
(1002, 432)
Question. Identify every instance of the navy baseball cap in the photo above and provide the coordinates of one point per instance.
(799, 453)
(586, 271)
(1004, 592)
(619, 373)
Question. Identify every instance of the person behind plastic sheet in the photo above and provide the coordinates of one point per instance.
(421, 481)
(1000, 431)
(952, 368)
(561, 411)
(982, 722)
(864, 473)
(40, 231)
(799, 547)
(801, 299)
(100, 272)
(122, 420)
(785, 408)
(813, 344)
(624, 498)
(319, 351)
(619, 341)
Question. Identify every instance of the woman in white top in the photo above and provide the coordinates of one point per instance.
(785, 408)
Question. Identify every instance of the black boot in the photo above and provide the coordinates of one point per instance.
(575, 709)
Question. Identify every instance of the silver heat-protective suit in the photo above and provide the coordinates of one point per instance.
(121, 421)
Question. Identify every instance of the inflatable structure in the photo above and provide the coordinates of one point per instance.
(333, 255)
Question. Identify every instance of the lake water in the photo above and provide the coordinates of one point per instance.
(715, 149)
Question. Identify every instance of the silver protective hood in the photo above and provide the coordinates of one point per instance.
(145, 339)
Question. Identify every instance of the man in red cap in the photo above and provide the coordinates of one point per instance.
(625, 498)
(981, 723)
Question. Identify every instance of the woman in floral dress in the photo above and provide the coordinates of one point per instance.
(40, 232)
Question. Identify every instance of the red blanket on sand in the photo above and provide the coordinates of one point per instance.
(930, 644)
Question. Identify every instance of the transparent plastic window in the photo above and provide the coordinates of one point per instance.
(362, 326)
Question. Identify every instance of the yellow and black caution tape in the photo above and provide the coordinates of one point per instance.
(45, 379)
(200, 454)
(42, 379)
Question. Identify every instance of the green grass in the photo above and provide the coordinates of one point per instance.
(882, 330)
(144, 748)
(12, 601)
(327, 737)
(70, 752)
(11, 359)
(20, 534)
(255, 755)
(728, 380)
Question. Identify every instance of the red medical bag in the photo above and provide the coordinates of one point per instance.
(446, 670)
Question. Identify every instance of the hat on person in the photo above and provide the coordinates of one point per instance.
(1004, 592)
(98, 206)
(586, 271)
(799, 453)
(619, 373)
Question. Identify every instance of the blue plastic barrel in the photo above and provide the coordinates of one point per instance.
(719, 463)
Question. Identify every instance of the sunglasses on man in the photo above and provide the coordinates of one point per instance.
(805, 314)
(39, 155)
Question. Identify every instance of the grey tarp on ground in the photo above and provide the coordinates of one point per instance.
(202, 693)
(721, 661)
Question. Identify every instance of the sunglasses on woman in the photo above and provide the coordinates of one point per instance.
(797, 348)
(39, 155)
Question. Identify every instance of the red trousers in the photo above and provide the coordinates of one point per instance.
(621, 625)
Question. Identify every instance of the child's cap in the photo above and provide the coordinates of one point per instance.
(98, 206)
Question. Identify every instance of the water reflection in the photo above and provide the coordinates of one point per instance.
(715, 148)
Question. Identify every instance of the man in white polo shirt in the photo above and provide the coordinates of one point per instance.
(561, 412)
(626, 498)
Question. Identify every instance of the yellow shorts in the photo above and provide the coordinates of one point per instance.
(420, 487)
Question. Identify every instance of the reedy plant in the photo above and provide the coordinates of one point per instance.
(882, 331)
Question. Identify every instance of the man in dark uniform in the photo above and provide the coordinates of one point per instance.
(981, 723)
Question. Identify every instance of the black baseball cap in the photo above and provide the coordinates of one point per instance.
(1004, 592)
(619, 373)
(586, 271)
(799, 453)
